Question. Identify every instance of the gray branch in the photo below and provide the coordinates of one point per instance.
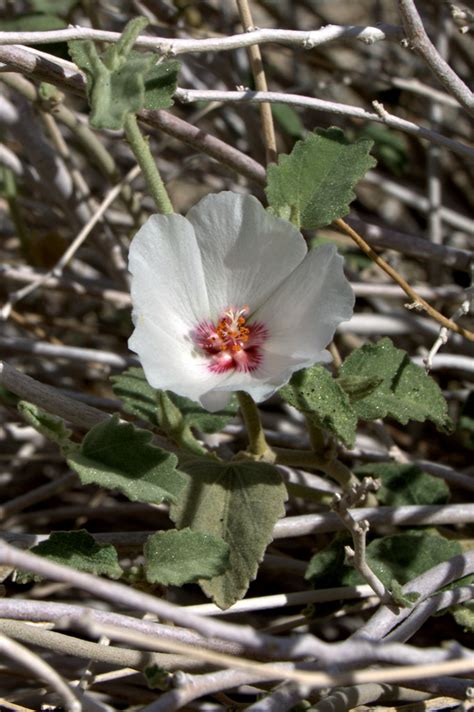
(418, 40)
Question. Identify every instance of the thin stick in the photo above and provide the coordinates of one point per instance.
(358, 530)
(37, 494)
(279, 600)
(297, 38)
(332, 107)
(39, 668)
(418, 40)
(71, 645)
(418, 301)
(206, 143)
(260, 83)
(65, 74)
(444, 333)
(438, 661)
(73, 247)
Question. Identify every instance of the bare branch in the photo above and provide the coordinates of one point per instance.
(191, 95)
(39, 668)
(260, 83)
(49, 398)
(358, 529)
(418, 40)
(66, 75)
(57, 270)
(306, 40)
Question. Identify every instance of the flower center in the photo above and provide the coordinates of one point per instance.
(232, 343)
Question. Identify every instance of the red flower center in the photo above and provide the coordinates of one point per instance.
(232, 343)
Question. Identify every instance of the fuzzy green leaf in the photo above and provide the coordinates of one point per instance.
(396, 558)
(50, 426)
(405, 393)
(404, 600)
(313, 185)
(142, 400)
(314, 392)
(160, 84)
(238, 502)
(185, 556)
(463, 614)
(121, 81)
(405, 484)
(79, 550)
(358, 387)
(119, 456)
(405, 556)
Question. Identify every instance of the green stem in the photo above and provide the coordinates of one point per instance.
(307, 458)
(316, 436)
(145, 160)
(251, 417)
(172, 422)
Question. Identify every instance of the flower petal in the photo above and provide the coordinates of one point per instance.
(246, 252)
(171, 364)
(302, 315)
(259, 384)
(168, 286)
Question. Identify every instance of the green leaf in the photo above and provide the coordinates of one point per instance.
(158, 678)
(79, 550)
(405, 393)
(404, 600)
(390, 147)
(463, 614)
(59, 7)
(119, 456)
(314, 392)
(50, 426)
(358, 387)
(142, 400)
(289, 120)
(404, 556)
(395, 559)
(32, 23)
(312, 186)
(160, 84)
(239, 502)
(178, 557)
(405, 484)
(121, 81)
(325, 567)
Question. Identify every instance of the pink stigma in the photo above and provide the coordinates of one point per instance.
(231, 343)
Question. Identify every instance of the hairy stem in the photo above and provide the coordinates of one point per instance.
(251, 417)
(141, 149)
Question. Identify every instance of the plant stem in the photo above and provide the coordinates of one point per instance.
(316, 436)
(260, 83)
(251, 417)
(141, 149)
(418, 301)
(308, 458)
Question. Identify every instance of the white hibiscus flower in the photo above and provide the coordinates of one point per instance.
(229, 299)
